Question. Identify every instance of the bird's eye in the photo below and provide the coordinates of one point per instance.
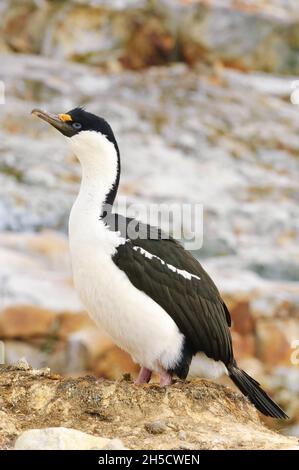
(77, 126)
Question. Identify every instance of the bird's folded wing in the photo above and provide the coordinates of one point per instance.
(178, 283)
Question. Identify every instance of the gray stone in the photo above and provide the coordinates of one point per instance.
(156, 427)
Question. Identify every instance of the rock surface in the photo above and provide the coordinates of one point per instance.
(181, 136)
(192, 415)
(259, 35)
(61, 438)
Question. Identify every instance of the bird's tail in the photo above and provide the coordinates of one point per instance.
(252, 389)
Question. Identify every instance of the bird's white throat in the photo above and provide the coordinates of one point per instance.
(98, 159)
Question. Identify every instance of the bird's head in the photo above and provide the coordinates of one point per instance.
(75, 121)
(78, 125)
(92, 141)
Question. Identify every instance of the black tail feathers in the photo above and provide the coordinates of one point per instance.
(251, 389)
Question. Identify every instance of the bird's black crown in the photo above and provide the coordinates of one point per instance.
(82, 120)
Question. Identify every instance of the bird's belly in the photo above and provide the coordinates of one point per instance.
(133, 320)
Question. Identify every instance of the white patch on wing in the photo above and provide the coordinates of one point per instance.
(203, 366)
(182, 272)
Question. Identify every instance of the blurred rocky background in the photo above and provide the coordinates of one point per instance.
(198, 93)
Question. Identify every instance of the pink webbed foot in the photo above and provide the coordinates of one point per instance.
(144, 376)
(165, 379)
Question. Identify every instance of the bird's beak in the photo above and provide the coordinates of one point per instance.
(57, 121)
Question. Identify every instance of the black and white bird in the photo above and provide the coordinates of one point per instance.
(151, 296)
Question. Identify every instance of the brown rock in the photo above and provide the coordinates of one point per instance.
(68, 343)
(112, 363)
(242, 319)
(244, 346)
(150, 42)
(23, 26)
(274, 339)
(152, 33)
(25, 321)
(71, 322)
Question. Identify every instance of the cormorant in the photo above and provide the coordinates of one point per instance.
(151, 296)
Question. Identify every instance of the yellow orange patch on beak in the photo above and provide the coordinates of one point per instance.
(65, 117)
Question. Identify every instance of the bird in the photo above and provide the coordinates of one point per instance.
(150, 295)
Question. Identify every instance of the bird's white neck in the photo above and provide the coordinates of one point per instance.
(99, 162)
(92, 193)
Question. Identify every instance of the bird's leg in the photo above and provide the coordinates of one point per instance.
(144, 376)
(165, 378)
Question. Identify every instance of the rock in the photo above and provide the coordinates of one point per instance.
(67, 342)
(8, 428)
(63, 357)
(288, 376)
(244, 346)
(121, 410)
(156, 427)
(47, 244)
(114, 444)
(22, 364)
(86, 349)
(35, 272)
(69, 323)
(274, 340)
(293, 431)
(243, 321)
(19, 17)
(238, 145)
(255, 368)
(111, 362)
(238, 37)
(284, 383)
(25, 321)
(144, 33)
(283, 303)
(232, 144)
(61, 438)
(98, 34)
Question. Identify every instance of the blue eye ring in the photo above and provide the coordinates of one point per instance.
(77, 126)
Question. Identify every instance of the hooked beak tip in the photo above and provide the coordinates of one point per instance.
(55, 121)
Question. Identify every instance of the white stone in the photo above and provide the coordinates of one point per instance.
(61, 438)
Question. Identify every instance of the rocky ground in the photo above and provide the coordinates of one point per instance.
(247, 34)
(227, 138)
(114, 415)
